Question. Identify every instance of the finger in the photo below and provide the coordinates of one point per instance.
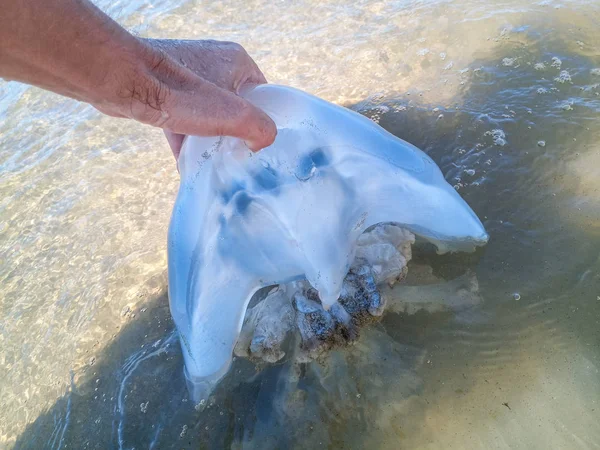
(212, 111)
(253, 77)
(175, 141)
(258, 77)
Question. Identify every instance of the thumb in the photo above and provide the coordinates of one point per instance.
(211, 111)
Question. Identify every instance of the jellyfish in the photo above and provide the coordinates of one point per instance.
(293, 211)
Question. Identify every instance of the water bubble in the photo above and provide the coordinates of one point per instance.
(542, 90)
(423, 52)
(183, 431)
(509, 62)
(470, 172)
(595, 72)
(517, 296)
(567, 106)
(541, 143)
(556, 62)
(539, 66)
(443, 55)
(144, 407)
(92, 361)
(498, 136)
(449, 66)
(563, 77)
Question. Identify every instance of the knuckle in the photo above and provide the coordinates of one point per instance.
(239, 52)
(151, 116)
(236, 47)
(147, 97)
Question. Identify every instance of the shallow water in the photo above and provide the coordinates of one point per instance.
(504, 96)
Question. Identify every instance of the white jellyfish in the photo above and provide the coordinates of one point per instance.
(293, 211)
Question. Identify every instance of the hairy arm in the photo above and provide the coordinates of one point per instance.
(185, 87)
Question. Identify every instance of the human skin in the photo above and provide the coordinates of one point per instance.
(72, 48)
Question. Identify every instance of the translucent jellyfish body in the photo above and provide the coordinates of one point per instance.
(295, 210)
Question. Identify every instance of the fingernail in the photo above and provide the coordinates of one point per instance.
(265, 133)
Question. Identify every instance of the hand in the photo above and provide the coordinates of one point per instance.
(192, 87)
(225, 64)
(186, 87)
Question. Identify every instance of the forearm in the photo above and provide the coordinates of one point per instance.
(67, 46)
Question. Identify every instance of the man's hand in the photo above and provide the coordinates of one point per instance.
(227, 66)
(186, 87)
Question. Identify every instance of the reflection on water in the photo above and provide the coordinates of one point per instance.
(504, 96)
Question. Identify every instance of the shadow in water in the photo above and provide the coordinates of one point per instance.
(134, 395)
(488, 145)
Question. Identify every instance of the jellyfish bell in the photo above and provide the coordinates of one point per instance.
(294, 210)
